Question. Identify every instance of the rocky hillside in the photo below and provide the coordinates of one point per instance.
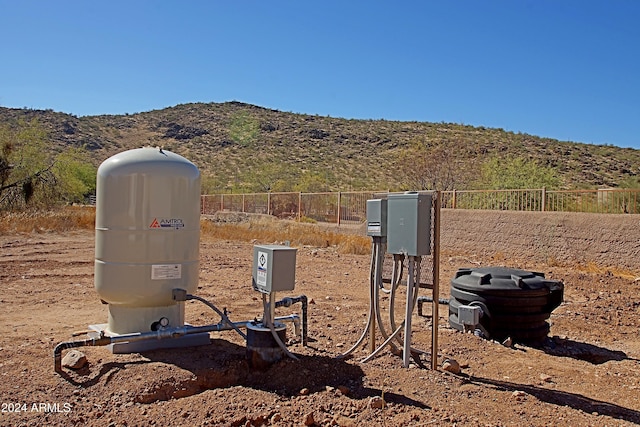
(243, 147)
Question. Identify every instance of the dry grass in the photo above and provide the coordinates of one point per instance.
(63, 219)
(264, 229)
(596, 269)
(296, 234)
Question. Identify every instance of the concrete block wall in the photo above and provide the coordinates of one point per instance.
(606, 240)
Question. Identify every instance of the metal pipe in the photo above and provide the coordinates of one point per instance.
(288, 302)
(177, 332)
(178, 294)
(57, 351)
(269, 310)
(103, 340)
(436, 279)
(383, 249)
(411, 289)
(423, 299)
(396, 275)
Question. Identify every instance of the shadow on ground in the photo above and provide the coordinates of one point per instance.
(223, 364)
(563, 398)
(582, 351)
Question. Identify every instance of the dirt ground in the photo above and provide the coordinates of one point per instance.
(586, 374)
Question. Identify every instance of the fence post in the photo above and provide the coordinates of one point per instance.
(269, 203)
(453, 203)
(242, 202)
(339, 203)
(299, 206)
(544, 199)
(222, 202)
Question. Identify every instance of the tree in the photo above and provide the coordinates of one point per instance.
(24, 165)
(31, 174)
(75, 175)
(432, 165)
(312, 182)
(630, 182)
(266, 176)
(499, 173)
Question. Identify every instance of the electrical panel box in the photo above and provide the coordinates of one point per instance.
(469, 315)
(409, 224)
(377, 217)
(274, 268)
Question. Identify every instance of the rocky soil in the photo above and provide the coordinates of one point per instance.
(586, 374)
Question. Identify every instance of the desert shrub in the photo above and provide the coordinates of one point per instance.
(33, 176)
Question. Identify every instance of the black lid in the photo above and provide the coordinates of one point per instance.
(498, 278)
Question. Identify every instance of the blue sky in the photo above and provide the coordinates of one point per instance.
(564, 69)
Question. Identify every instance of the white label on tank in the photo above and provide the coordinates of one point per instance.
(166, 271)
(263, 261)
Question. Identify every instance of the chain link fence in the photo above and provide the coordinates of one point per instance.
(350, 207)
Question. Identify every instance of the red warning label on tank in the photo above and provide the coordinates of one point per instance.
(175, 223)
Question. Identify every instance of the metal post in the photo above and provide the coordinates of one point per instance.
(339, 203)
(436, 280)
(299, 206)
(269, 203)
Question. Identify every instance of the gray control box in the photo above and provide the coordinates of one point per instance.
(409, 224)
(377, 217)
(274, 268)
(469, 315)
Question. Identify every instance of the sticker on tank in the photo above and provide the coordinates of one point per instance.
(167, 223)
(166, 271)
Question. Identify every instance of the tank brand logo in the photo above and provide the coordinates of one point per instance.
(167, 223)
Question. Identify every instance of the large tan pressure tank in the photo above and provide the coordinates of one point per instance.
(147, 237)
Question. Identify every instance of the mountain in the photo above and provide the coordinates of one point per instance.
(243, 147)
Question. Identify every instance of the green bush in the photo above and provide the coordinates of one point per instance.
(500, 173)
(32, 175)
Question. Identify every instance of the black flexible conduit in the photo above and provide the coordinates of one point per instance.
(57, 351)
(223, 315)
(423, 299)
